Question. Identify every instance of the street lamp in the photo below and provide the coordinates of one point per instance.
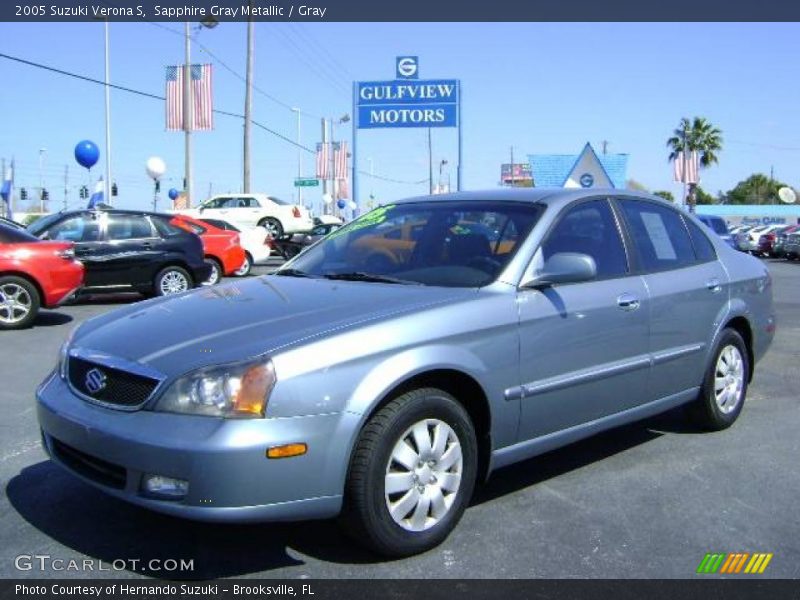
(299, 158)
(442, 163)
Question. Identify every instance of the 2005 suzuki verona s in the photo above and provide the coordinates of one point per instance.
(382, 372)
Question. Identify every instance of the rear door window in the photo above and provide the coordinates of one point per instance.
(128, 227)
(661, 239)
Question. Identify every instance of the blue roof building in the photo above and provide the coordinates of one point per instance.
(587, 169)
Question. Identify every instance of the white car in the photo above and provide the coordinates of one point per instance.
(256, 241)
(249, 210)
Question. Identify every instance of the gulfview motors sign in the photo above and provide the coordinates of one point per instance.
(407, 102)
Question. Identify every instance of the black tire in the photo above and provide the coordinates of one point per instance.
(273, 226)
(706, 412)
(164, 275)
(366, 516)
(25, 297)
(244, 270)
(217, 272)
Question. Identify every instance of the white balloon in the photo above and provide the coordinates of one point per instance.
(155, 167)
(327, 198)
(352, 205)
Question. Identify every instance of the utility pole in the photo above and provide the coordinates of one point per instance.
(430, 163)
(248, 102)
(299, 158)
(324, 179)
(42, 152)
(188, 115)
(107, 190)
(605, 146)
(512, 166)
(332, 167)
(66, 186)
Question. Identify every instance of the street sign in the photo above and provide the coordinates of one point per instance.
(306, 182)
(407, 67)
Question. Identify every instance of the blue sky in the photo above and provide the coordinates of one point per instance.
(540, 87)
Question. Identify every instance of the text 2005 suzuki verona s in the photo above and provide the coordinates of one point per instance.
(384, 370)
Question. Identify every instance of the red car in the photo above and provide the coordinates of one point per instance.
(34, 274)
(222, 248)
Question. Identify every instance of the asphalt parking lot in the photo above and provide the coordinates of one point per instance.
(644, 501)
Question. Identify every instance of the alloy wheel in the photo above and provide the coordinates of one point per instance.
(729, 379)
(173, 282)
(15, 303)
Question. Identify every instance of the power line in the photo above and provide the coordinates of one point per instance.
(302, 55)
(322, 50)
(771, 146)
(147, 95)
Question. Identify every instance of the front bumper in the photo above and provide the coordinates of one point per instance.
(224, 460)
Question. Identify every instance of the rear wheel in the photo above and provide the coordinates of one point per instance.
(172, 280)
(273, 226)
(725, 384)
(19, 302)
(216, 271)
(412, 473)
(245, 268)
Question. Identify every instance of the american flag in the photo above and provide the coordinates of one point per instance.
(340, 160)
(691, 166)
(324, 160)
(342, 191)
(202, 106)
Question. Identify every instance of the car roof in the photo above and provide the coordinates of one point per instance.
(548, 196)
(115, 211)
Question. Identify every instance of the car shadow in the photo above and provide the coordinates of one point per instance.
(100, 299)
(88, 521)
(48, 318)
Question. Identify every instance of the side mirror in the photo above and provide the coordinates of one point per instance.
(564, 267)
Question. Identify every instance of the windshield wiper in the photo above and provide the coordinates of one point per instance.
(292, 273)
(361, 276)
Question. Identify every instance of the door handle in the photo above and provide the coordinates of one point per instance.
(628, 302)
(713, 285)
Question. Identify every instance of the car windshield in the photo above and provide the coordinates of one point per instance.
(442, 243)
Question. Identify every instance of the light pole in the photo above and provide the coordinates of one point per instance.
(107, 190)
(345, 118)
(188, 105)
(248, 103)
(299, 158)
(42, 152)
(442, 163)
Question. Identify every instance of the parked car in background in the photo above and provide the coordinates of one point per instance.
(33, 275)
(128, 250)
(718, 226)
(791, 246)
(754, 242)
(275, 215)
(11, 223)
(385, 395)
(740, 239)
(221, 247)
(779, 245)
(291, 245)
(256, 242)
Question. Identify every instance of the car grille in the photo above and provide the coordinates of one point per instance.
(108, 385)
(91, 467)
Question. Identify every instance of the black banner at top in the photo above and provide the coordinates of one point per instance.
(404, 10)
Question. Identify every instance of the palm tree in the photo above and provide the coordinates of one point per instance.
(696, 135)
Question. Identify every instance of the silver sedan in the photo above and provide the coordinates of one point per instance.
(409, 354)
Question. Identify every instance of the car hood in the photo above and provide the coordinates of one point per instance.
(239, 320)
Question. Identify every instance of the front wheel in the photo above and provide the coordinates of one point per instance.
(412, 473)
(19, 303)
(172, 280)
(725, 384)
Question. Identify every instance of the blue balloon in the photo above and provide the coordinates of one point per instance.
(341, 204)
(173, 193)
(87, 154)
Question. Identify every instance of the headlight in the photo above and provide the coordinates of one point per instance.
(62, 354)
(231, 391)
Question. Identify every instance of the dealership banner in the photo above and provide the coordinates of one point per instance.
(407, 103)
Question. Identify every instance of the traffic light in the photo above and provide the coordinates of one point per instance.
(84, 192)
(23, 194)
(45, 195)
(114, 189)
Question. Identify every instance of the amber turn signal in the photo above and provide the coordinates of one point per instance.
(287, 451)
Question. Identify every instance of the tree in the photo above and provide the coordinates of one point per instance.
(697, 135)
(756, 189)
(665, 195)
(703, 197)
(632, 184)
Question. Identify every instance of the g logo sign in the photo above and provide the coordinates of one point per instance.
(587, 180)
(407, 67)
